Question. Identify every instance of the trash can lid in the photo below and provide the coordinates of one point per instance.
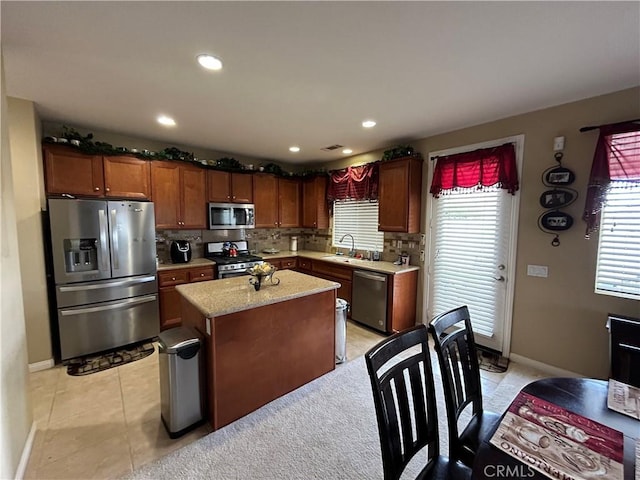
(176, 339)
(341, 304)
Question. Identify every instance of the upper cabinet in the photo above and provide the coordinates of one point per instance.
(315, 211)
(179, 192)
(277, 201)
(399, 195)
(229, 187)
(70, 171)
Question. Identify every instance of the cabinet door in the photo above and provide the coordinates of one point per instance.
(165, 188)
(242, 188)
(288, 263)
(193, 202)
(315, 211)
(288, 203)
(127, 177)
(200, 274)
(69, 171)
(265, 197)
(170, 310)
(218, 186)
(393, 209)
(400, 192)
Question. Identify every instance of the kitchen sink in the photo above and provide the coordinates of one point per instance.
(342, 259)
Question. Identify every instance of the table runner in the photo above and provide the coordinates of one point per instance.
(558, 443)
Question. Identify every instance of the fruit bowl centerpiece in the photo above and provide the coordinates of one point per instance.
(261, 273)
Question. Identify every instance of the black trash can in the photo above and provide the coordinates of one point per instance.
(180, 359)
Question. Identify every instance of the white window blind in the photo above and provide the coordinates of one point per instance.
(360, 219)
(470, 248)
(618, 267)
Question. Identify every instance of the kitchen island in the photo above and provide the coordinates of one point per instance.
(260, 345)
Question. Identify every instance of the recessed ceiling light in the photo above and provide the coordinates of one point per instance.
(166, 121)
(347, 151)
(209, 62)
(368, 124)
(294, 149)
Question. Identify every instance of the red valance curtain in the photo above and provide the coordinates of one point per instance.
(481, 168)
(617, 158)
(354, 183)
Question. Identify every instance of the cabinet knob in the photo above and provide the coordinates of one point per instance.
(97, 189)
(173, 278)
(202, 274)
(228, 197)
(234, 197)
(107, 189)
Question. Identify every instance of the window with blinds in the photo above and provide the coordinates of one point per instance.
(360, 219)
(618, 267)
(470, 252)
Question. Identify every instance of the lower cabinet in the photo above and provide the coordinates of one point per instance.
(285, 263)
(402, 290)
(170, 313)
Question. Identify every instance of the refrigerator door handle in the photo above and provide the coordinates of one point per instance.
(104, 250)
(113, 306)
(114, 241)
(97, 286)
(371, 276)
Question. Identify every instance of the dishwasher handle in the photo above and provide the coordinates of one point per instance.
(370, 276)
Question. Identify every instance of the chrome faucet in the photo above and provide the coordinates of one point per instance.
(352, 252)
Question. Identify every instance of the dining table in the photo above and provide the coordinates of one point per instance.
(585, 397)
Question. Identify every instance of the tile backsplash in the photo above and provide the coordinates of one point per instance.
(260, 239)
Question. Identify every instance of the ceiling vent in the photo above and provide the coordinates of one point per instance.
(331, 148)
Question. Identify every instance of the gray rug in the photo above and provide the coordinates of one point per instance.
(324, 430)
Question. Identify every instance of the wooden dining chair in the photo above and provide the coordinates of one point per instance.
(404, 397)
(458, 358)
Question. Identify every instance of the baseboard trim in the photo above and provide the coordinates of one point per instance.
(44, 365)
(26, 453)
(555, 371)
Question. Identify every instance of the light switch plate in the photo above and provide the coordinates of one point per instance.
(538, 271)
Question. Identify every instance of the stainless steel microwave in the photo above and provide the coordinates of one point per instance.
(231, 215)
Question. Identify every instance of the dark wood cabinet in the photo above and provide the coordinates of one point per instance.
(284, 263)
(336, 273)
(179, 195)
(315, 210)
(277, 201)
(402, 293)
(170, 305)
(400, 195)
(229, 187)
(72, 172)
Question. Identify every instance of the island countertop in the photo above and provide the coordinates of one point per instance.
(230, 295)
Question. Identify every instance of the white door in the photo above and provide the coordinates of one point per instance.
(472, 239)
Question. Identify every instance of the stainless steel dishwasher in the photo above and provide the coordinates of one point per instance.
(369, 299)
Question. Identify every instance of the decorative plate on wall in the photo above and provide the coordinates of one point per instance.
(556, 221)
(558, 197)
(559, 176)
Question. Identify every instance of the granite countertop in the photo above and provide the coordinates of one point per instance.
(382, 267)
(195, 262)
(229, 295)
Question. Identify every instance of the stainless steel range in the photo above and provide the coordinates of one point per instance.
(232, 258)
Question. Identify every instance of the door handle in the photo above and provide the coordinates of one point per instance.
(102, 221)
(113, 306)
(114, 240)
(499, 279)
(371, 276)
(98, 286)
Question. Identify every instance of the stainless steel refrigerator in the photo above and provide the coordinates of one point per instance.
(104, 269)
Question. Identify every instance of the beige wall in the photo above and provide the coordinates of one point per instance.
(26, 160)
(15, 405)
(557, 320)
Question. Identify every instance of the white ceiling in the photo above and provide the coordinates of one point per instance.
(308, 73)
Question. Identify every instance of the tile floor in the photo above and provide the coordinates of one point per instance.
(106, 424)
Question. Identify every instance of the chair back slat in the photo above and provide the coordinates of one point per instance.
(404, 398)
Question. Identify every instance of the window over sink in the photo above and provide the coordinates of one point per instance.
(360, 219)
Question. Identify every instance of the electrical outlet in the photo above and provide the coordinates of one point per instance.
(423, 239)
(399, 243)
(422, 255)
